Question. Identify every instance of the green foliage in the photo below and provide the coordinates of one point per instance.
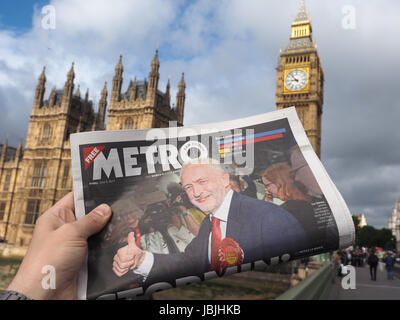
(356, 221)
(368, 236)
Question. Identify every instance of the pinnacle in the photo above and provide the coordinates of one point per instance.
(119, 64)
(43, 74)
(302, 13)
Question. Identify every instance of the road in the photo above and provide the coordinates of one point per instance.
(366, 289)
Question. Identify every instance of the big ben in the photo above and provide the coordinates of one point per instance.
(300, 78)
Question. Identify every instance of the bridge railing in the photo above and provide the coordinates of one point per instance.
(315, 287)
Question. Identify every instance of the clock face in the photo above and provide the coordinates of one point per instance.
(296, 80)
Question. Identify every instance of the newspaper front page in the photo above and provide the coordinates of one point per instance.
(195, 203)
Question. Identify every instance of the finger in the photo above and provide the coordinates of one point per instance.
(67, 202)
(138, 259)
(118, 273)
(122, 257)
(123, 263)
(131, 242)
(62, 212)
(93, 222)
(119, 269)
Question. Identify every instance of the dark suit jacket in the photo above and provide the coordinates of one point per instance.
(263, 230)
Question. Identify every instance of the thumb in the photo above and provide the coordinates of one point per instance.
(94, 221)
(131, 242)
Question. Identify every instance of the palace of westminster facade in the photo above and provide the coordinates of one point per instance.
(33, 178)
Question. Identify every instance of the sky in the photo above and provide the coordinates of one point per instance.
(228, 50)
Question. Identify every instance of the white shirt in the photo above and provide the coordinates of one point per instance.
(182, 237)
(221, 213)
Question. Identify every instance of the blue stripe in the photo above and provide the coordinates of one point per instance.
(258, 135)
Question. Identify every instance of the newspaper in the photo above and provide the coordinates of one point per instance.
(199, 202)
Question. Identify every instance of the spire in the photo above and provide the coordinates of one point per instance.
(71, 73)
(167, 93)
(52, 99)
(182, 83)
(133, 90)
(42, 78)
(167, 89)
(19, 149)
(87, 95)
(68, 88)
(40, 89)
(104, 92)
(153, 80)
(102, 108)
(301, 30)
(117, 82)
(155, 62)
(302, 16)
(119, 68)
(78, 92)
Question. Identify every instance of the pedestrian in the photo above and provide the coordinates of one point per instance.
(389, 264)
(339, 263)
(348, 257)
(373, 263)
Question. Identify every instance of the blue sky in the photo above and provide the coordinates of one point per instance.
(228, 50)
(17, 14)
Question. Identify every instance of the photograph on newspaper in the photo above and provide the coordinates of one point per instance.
(193, 203)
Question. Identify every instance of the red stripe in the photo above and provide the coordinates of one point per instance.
(238, 143)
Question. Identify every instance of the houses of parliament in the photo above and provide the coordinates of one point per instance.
(33, 178)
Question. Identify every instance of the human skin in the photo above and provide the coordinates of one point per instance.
(206, 188)
(270, 187)
(60, 241)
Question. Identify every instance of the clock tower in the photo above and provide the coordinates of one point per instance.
(300, 78)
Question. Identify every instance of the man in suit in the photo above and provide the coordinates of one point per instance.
(238, 230)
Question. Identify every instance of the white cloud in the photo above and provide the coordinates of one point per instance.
(228, 51)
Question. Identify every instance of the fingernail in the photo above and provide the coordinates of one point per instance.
(102, 210)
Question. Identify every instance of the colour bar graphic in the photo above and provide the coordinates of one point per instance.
(262, 136)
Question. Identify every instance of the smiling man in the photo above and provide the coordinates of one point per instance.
(238, 230)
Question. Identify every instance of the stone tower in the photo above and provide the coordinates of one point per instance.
(143, 106)
(300, 78)
(34, 178)
(44, 173)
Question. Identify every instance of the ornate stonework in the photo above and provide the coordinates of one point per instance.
(300, 78)
(34, 178)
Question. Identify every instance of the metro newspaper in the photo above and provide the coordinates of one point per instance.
(197, 202)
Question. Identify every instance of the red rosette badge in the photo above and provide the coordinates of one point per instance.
(229, 254)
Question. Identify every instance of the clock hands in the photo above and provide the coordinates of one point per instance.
(294, 78)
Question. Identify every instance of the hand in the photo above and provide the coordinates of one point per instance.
(128, 258)
(60, 241)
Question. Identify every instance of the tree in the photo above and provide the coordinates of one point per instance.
(370, 237)
(356, 221)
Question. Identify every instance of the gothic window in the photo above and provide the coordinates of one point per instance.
(65, 178)
(32, 211)
(39, 175)
(7, 182)
(47, 132)
(2, 210)
(129, 124)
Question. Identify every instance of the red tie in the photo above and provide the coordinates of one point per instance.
(138, 237)
(215, 243)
